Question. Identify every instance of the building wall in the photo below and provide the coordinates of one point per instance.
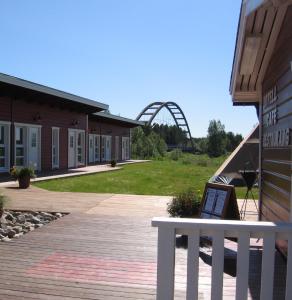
(105, 128)
(277, 129)
(21, 111)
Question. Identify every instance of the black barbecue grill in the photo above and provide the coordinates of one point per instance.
(250, 178)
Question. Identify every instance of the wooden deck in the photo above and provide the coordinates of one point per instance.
(104, 249)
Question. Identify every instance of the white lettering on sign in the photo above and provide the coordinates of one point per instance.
(270, 97)
(270, 118)
(278, 138)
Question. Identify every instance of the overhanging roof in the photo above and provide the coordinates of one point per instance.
(32, 86)
(118, 119)
(259, 25)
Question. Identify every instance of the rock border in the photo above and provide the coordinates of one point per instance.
(15, 223)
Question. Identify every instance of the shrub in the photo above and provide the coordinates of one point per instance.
(184, 204)
(3, 200)
(113, 163)
(175, 154)
(21, 173)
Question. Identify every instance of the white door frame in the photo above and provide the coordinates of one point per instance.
(75, 133)
(26, 137)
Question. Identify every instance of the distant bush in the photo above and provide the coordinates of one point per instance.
(147, 144)
(175, 154)
(184, 204)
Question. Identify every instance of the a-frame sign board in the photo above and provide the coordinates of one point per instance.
(219, 202)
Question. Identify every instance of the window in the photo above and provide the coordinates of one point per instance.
(2, 147)
(55, 148)
(96, 148)
(19, 146)
(80, 147)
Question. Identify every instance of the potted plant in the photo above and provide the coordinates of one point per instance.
(23, 175)
(113, 163)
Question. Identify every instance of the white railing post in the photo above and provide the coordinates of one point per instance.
(268, 262)
(165, 263)
(242, 267)
(217, 265)
(193, 265)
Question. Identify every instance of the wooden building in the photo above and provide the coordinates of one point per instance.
(262, 76)
(47, 129)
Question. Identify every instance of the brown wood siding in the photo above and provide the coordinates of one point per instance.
(104, 128)
(5, 110)
(22, 111)
(277, 161)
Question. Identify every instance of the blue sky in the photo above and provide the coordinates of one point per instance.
(128, 53)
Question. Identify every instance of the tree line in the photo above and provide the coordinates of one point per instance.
(153, 141)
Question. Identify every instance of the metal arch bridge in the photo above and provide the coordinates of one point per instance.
(151, 111)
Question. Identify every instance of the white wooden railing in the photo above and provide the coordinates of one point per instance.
(168, 228)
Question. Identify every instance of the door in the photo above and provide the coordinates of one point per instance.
(91, 148)
(55, 147)
(108, 148)
(71, 149)
(125, 148)
(96, 148)
(33, 147)
(117, 148)
(4, 147)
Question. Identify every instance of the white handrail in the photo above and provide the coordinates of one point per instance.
(168, 228)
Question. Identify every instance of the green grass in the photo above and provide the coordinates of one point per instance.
(159, 177)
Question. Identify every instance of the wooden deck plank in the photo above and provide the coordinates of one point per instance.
(104, 249)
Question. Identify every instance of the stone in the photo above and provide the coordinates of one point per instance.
(6, 239)
(17, 229)
(9, 217)
(11, 233)
(20, 219)
(34, 220)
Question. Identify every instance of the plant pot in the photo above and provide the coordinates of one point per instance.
(24, 182)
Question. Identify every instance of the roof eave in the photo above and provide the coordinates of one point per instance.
(11, 80)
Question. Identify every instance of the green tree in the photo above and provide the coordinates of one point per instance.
(232, 141)
(216, 145)
(147, 144)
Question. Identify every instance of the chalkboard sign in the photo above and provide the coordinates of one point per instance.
(219, 202)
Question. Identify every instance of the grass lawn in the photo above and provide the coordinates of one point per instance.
(159, 177)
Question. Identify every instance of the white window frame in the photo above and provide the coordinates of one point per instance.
(25, 144)
(7, 127)
(57, 150)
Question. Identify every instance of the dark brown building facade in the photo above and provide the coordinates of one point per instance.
(49, 129)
